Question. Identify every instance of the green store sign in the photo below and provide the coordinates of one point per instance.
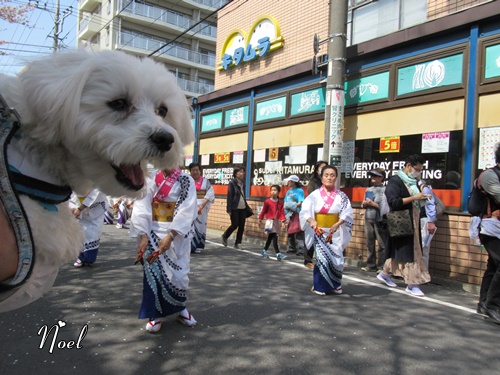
(236, 117)
(212, 121)
(367, 89)
(308, 101)
(271, 109)
(431, 74)
(492, 62)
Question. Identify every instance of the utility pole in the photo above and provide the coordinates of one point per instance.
(334, 99)
(58, 21)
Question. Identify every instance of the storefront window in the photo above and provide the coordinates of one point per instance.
(442, 152)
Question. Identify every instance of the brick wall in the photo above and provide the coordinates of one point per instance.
(440, 8)
(452, 256)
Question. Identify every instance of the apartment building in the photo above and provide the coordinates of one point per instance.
(180, 33)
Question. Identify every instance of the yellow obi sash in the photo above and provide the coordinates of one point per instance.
(200, 194)
(163, 211)
(326, 220)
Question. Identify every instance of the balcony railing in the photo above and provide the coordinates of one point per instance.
(136, 40)
(167, 16)
(211, 3)
(194, 87)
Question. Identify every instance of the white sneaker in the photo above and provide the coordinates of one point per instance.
(153, 326)
(78, 263)
(386, 279)
(185, 317)
(197, 251)
(415, 290)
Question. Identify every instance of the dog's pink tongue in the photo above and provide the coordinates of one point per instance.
(133, 173)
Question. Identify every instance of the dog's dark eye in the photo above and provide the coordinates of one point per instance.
(162, 111)
(119, 105)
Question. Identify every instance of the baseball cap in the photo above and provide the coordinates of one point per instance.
(380, 172)
(293, 178)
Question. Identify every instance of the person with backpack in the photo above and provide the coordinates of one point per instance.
(489, 234)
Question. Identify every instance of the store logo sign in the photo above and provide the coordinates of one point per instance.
(241, 47)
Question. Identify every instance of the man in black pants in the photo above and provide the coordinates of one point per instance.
(489, 297)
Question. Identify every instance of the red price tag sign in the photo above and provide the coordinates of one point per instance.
(390, 144)
(224, 157)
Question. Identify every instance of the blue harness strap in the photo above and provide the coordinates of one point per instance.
(15, 212)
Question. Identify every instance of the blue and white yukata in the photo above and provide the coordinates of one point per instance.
(329, 267)
(92, 221)
(166, 281)
(206, 191)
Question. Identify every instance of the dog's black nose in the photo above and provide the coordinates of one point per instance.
(162, 141)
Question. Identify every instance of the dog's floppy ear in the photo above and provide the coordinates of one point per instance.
(52, 89)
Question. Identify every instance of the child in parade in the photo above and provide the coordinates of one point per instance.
(274, 215)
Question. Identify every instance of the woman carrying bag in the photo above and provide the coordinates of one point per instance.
(237, 207)
(403, 248)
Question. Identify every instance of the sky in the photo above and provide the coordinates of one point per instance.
(36, 41)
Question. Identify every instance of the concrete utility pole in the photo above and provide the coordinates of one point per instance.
(334, 99)
(59, 21)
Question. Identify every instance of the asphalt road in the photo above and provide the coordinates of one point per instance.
(255, 316)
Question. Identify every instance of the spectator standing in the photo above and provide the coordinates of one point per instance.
(314, 183)
(327, 219)
(273, 212)
(428, 220)
(161, 221)
(404, 254)
(293, 200)
(205, 197)
(236, 207)
(375, 227)
(489, 296)
(90, 211)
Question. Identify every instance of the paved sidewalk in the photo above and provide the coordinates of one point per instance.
(255, 316)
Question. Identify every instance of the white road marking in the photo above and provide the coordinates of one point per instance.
(362, 281)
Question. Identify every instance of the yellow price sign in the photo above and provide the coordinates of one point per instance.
(390, 144)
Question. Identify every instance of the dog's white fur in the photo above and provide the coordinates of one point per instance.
(82, 113)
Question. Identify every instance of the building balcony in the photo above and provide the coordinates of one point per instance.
(193, 88)
(159, 18)
(89, 26)
(174, 55)
(88, 5)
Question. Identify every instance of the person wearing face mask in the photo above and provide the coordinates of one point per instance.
(404, 254)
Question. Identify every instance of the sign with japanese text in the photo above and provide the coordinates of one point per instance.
(435, 142)
(308, 101)
(211, 122)
(264, 36)
(236, 117)
(445, 71)
(366, 89)
(271, 109)
(389, 144)
(223, 157)
(492, 62)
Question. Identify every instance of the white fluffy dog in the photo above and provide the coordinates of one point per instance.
(87, 120)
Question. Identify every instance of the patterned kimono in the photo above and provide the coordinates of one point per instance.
(165, 283)
(329, 265)
(92, 220)
(204, 190)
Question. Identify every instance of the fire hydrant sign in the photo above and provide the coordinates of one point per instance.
(389, 144)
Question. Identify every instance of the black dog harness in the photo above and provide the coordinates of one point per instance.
(13, 183)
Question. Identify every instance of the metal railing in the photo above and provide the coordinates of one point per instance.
(167, 16)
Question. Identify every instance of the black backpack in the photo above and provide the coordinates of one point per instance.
(478, 200)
